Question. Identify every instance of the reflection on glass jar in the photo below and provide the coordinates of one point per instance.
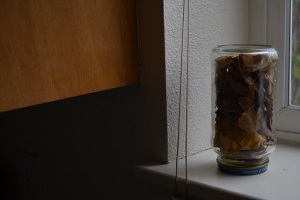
(242, 107)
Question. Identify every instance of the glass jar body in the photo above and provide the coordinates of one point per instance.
(243, 80)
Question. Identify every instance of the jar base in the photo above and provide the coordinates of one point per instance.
(243, 167)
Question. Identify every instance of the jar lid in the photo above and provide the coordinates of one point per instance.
(243, 171)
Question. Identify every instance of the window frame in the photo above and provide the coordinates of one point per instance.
(278, 34)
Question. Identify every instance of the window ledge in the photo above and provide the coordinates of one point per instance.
(280, 181)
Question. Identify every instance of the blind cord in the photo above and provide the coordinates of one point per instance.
(178, 196)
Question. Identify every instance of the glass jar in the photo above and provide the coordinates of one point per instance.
(242, 107)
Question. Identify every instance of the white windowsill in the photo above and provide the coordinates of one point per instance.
(280, 181)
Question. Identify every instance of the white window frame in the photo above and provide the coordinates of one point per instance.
(278, 32)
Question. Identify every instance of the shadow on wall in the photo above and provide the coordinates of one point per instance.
(82, 147)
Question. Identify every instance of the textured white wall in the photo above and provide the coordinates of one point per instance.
(211, 23)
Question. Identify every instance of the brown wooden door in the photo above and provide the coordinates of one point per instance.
(55, 49)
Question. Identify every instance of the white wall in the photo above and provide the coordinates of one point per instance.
(211, 23)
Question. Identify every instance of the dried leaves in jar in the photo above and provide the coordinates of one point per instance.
(244, 102)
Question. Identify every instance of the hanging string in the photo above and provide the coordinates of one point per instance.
(180, 98)
(187, 99)
(178, 196)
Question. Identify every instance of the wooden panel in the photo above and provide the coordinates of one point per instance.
(55, 49)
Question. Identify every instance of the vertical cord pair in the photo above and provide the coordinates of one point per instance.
(178, 196)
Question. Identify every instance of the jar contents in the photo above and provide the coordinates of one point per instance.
(244, 104)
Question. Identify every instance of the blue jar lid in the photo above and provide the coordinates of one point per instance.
(243, 171)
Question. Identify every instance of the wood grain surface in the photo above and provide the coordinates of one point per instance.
(55, 49)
